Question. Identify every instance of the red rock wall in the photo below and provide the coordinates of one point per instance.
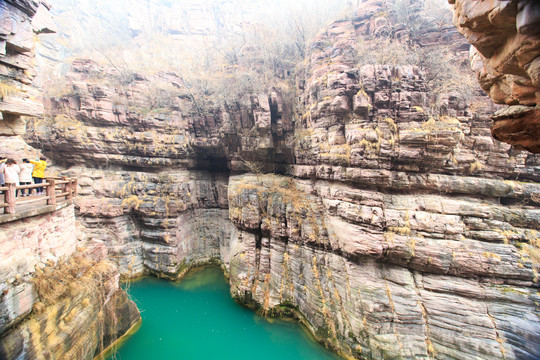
(52, 305)
(39, 291)
(506, 57)
(23, 245)
(399, 210)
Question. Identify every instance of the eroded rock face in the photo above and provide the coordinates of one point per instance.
(375, 274)
(81, 311)
(158, 223)
(506, 57)
(25, 245)
(400, 218)
(20, 22)
(56, 301)
(397, 229)
(155, 122)
(146, 135)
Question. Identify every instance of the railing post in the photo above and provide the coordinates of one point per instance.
(74, 185)
(68, 190)
(64, 186)
(51, 193)
(10, 198)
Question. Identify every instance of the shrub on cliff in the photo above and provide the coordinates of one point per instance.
(407, 39)
(237, 51)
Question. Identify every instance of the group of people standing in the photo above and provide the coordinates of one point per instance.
(27, 173)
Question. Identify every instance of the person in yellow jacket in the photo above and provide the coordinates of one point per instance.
(39, 172)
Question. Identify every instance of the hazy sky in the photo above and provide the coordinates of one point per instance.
(84, 25)
(176, 29)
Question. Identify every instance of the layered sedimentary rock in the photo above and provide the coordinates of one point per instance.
(26, 244)
(394, 240)
(506, 57)
(388, 275)
(57, 301)
(148, 133)
(162, 223)
(397, 228)
(20, 23)
(156, 122)
(81, 311)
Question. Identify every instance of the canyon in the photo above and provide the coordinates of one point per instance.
(58, 299)
(364, 196)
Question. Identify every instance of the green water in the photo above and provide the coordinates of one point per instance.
(196, 319)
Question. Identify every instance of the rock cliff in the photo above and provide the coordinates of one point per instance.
(368, 197)
(377, 241)
(80, 312)
(55, 301)
(506, 38)
(20, 23)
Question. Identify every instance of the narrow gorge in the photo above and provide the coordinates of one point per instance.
(351, 181)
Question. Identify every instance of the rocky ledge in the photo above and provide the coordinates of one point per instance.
(20, 23)
(506, 57)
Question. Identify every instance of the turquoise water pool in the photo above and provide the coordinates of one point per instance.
(196, 319)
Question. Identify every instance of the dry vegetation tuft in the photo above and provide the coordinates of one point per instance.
(401, 43)
(67, 278)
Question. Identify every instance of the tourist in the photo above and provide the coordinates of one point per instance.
(11, 172)
(2, 164)
(39, 172)
(25, 176)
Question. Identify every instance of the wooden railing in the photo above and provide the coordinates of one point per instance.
(55, 190)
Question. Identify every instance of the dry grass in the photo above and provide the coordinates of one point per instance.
(304, 214)
(7, 90)
(475, 166)
(132, 202)
(76, 316)
(532, 250)
(67, 278)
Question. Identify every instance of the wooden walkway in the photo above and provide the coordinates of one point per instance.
(56, 191)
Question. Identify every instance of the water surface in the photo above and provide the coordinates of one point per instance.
(196, 319)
